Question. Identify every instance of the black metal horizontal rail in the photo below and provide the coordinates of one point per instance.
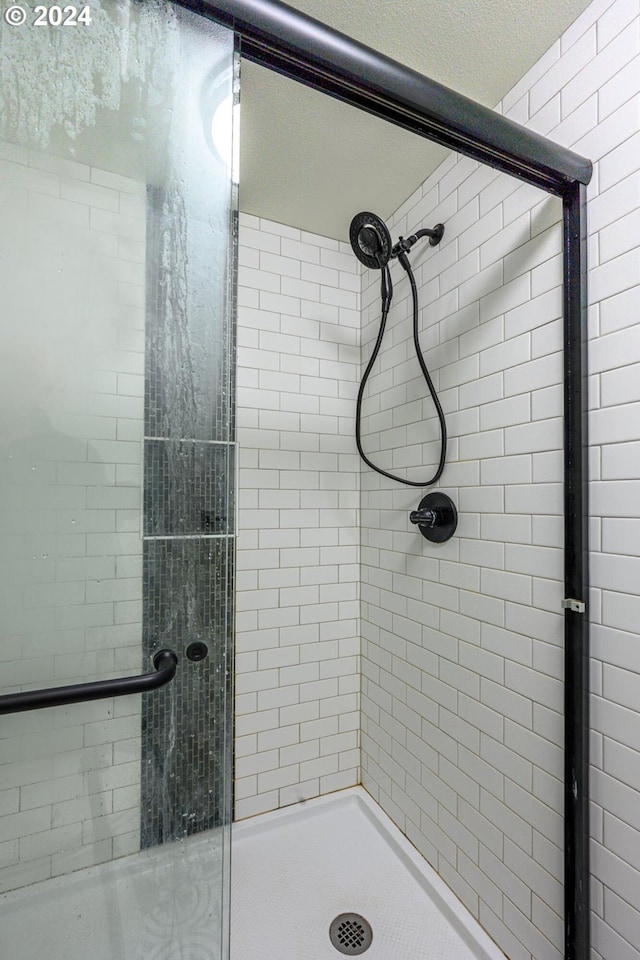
(164, 661)
(294, 44)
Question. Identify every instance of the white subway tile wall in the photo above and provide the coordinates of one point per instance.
(462, 644)
(462, 672)
(298, 632)
(71, 553)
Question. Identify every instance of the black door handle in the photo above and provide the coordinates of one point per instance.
(164, 661)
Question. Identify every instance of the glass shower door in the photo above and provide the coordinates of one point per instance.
(117, 227)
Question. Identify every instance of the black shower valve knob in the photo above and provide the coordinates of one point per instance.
(429, 518)
(436, 517)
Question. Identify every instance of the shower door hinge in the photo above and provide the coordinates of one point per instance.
(576, 605)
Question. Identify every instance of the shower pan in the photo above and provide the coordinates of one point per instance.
(117, 463)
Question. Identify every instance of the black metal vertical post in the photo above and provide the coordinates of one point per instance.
(576, 687)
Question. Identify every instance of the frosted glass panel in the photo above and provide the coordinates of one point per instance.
(116, 458)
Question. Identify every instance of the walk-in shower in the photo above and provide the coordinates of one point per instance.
(294, 45)
(118, 515)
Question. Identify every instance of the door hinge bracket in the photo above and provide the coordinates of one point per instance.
(576, 605)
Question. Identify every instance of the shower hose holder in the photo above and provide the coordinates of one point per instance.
(436, 517)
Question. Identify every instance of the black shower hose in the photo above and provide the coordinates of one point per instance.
(386, 294)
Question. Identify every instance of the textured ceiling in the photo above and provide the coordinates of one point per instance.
(312, 162)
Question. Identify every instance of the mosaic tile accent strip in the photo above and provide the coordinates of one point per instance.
(186, 734)
(189, 321)
(188, 499)
(188, 488)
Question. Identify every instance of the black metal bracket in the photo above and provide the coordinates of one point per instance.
(436, 517)
(164, 661)
(404, 244)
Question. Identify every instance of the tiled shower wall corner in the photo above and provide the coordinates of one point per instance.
(463, 643)
(71, 573)
(297, 680)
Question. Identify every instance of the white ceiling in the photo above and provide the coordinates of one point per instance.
(312, 162)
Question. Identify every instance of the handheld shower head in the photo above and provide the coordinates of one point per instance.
(370, 240)
(372, 246)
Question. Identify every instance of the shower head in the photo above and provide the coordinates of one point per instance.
(370, 240)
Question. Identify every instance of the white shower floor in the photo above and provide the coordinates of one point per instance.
(296, 869)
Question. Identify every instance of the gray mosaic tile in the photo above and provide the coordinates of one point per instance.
(186, 728)
(190, 322)
(188, 488)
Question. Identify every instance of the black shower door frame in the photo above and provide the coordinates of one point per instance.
(297, 46)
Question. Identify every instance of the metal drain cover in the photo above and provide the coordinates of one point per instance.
(351, 934)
